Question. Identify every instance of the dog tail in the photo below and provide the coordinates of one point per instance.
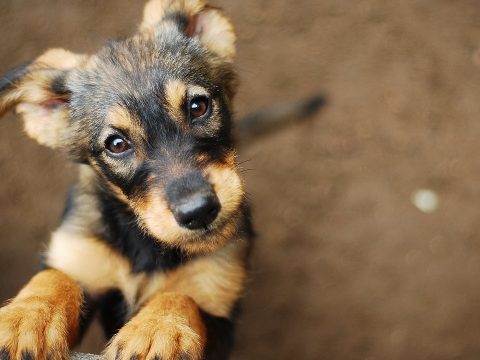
(276, 117)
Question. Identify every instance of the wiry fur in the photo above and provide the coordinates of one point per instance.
(169, 291)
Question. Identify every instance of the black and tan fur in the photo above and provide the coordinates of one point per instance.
(163, 289)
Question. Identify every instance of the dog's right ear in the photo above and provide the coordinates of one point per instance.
(37, 91)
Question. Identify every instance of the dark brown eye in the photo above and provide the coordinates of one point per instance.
(117, 144)
(198, 107)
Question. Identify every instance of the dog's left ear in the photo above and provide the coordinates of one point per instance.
(209, 25)
(37, 92)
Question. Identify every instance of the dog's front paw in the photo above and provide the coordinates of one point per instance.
(32, 329)
(169, 329)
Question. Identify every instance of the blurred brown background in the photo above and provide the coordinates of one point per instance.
(345, 267)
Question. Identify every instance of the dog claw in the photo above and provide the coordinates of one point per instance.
(4, 354)
(27, 355)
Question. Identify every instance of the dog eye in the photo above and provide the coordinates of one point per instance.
(198, 107)
(116, 144)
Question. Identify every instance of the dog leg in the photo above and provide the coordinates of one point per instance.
(219, 337)
(42, 321)
(168, 327)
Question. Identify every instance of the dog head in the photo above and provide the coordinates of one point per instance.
(151, 114)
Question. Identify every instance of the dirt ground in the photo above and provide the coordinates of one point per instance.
(345, 266)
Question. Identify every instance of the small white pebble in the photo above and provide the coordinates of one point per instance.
(425, 200)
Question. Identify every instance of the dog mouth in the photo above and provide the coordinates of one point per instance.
(205, 232)
(211, 236)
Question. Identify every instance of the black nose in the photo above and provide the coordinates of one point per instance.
(193, 201)
(197, 211)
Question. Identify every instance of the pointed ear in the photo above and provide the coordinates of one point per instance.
(209, 25)
(37, 91)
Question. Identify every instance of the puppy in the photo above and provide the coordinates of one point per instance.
(155, 236)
